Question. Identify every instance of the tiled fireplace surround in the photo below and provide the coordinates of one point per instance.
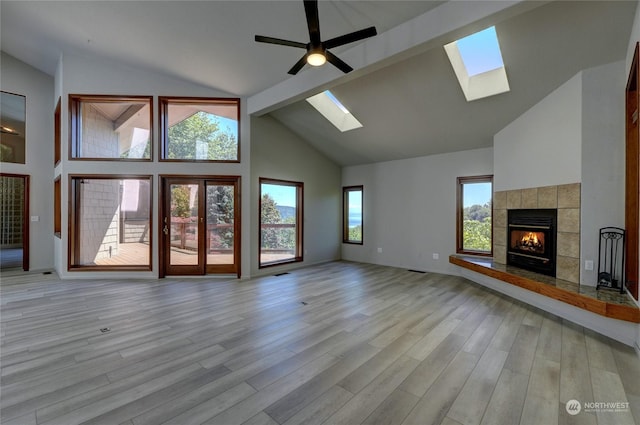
(566, 198)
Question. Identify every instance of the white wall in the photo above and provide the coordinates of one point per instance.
(603, 150)
(410, 208)
(88, 75)
(278, 153)
(542, 146)
(20, 78)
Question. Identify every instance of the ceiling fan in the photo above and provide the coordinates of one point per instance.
(317, 50)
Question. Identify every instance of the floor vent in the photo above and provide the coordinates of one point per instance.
(416, 271)
(281, 274)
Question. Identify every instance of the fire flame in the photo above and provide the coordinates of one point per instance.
(530, 239)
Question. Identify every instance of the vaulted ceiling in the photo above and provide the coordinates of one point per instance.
(403, 89)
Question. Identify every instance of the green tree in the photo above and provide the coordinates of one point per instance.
(477, 234)
(355, 233)
(220, 211)
(201, 132)
(269, 214)
(477, 212)
(180, 202)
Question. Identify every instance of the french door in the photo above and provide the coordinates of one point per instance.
(200, 225)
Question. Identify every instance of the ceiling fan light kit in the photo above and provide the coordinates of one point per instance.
(317, 53)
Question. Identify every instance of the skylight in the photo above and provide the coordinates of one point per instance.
(331, 108)
(477, 62)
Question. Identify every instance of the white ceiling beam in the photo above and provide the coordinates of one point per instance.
(394, 45)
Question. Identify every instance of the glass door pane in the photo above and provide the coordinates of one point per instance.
(220, 210)
(183, 226)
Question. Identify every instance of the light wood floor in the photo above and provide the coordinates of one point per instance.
(340, 343)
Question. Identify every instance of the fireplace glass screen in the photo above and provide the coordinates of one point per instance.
(526, 241)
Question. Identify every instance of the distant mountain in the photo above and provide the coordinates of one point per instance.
(286, 212)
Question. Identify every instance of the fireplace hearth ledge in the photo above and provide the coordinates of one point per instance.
(616, 316)
(605, 303)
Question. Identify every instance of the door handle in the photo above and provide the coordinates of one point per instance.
(165, 230)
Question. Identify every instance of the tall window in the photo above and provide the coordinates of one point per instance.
(352, 214)
(111, 127)
(280, 222)
(200, 129)
(110, 222)
(474, 227)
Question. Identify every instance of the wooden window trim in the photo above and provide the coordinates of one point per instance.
(299, 220)
(75, 123)
(73, 246)
(461, 181)
(163, 106)
(632, 175)
(57, 207)
(345, 214)
(57, 135)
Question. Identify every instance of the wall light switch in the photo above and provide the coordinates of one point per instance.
(436, 256)
(35, 218)
(588, 265)
(379, 250)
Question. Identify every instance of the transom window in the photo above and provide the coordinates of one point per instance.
(474, 213)
(280, 222)
(111, 127)
(200, 129)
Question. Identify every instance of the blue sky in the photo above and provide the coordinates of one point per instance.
(476, 194)
(283, 195)
(480, 52)
(227, 124)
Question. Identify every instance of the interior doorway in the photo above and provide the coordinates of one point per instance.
(200, 225)
(14, 221)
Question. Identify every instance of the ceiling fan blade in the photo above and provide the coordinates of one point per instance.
(271, 40)
(350, 38)
(313, 22)
(337, 62)
(298, 66)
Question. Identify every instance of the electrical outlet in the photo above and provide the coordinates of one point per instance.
(588, 265)
(436, 256)
(379, 250)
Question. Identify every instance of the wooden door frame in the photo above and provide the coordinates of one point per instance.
(25, 218)
(632, 176)
(164, 207)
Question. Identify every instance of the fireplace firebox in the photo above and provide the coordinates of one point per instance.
(531, 240)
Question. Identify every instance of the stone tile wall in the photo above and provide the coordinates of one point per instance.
(566, 198)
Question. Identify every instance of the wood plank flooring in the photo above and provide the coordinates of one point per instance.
(338, 343)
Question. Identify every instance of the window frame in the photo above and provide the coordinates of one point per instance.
(75, 124)
(163, 106)
(57, 207)
(345, 213)
(299, 221)
(73, 246)
(57, 135)
(461, 181)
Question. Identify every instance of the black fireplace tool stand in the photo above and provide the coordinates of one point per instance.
(611, 259)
